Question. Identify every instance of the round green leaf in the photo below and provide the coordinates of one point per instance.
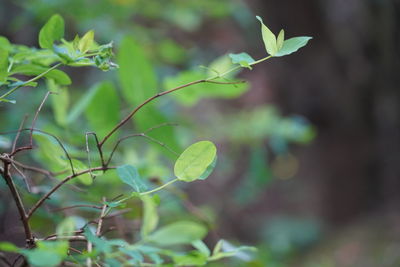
(194, 161)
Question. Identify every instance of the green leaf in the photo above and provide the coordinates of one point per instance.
(193, 258)
(100, 244)
(268, 38)
(136, 73)
(139, 82)
(129, 175)
(66, 227)
(52, 31)
(191, 95)
(201, 247)
(50, 152)
(178, 233)
(195, 160)
(58, 76)
(219, 66)
(60, 102)
(280, 39)
(292, 45)
(47, 253)
(82, 104)
(3, 64)
(86, 42)
(243, 59)
(86, 178)
(224, 249)
(150, 216)
(8, 247)
(102, 112)
(209, 169)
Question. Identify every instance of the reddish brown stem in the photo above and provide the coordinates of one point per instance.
(130, 115)
(61, 183)
(18, 202)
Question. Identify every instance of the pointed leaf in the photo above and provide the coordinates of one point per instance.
(292, 45)
(268, 38)
(194, 161)
(150, 216)
(103, 110)
(129, 175)
(86, 42)
(243, 59)
(52, 31)
(280, 39)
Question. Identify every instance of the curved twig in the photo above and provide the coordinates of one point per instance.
(133, 112)
(57, 186)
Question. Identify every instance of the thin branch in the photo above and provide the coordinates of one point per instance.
(133, 112)
(30, 146)
(34, 79)
(18, 202)
(18, 133)
(33, 168)
(138, 135)
(74, 238)
(28, 186)
(62, 182)
(98, 147)
(103, 212)
(4, 259)
(75, 250)
(77, 206)
(51, 135)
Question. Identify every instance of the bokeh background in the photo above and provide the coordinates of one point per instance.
(309, 154)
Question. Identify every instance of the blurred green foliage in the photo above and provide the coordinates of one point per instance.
(150, 59)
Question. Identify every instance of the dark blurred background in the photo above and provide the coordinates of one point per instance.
(332, 201)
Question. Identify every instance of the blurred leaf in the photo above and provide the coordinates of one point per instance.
(3, 63)
(201, 247)
(139, 82)
(59, 102)
(195, 160)
(150, 216)
(224, 249)
(171, 52)
(85, 179)
(219, 66)
(82, 104)
(100, 244)
(194, 93)
(292, 45)
(134, 254)
(66, 227)
(52, 31)
(268, 38)
(129, 175)
(178, 233)
(59, 76)
(47, 253)
(193, 258)
(243, 59)
(136, 74)
(50, 152)
(8, 247)
(102, 112)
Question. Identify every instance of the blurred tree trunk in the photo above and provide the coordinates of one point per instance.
(345, 82)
